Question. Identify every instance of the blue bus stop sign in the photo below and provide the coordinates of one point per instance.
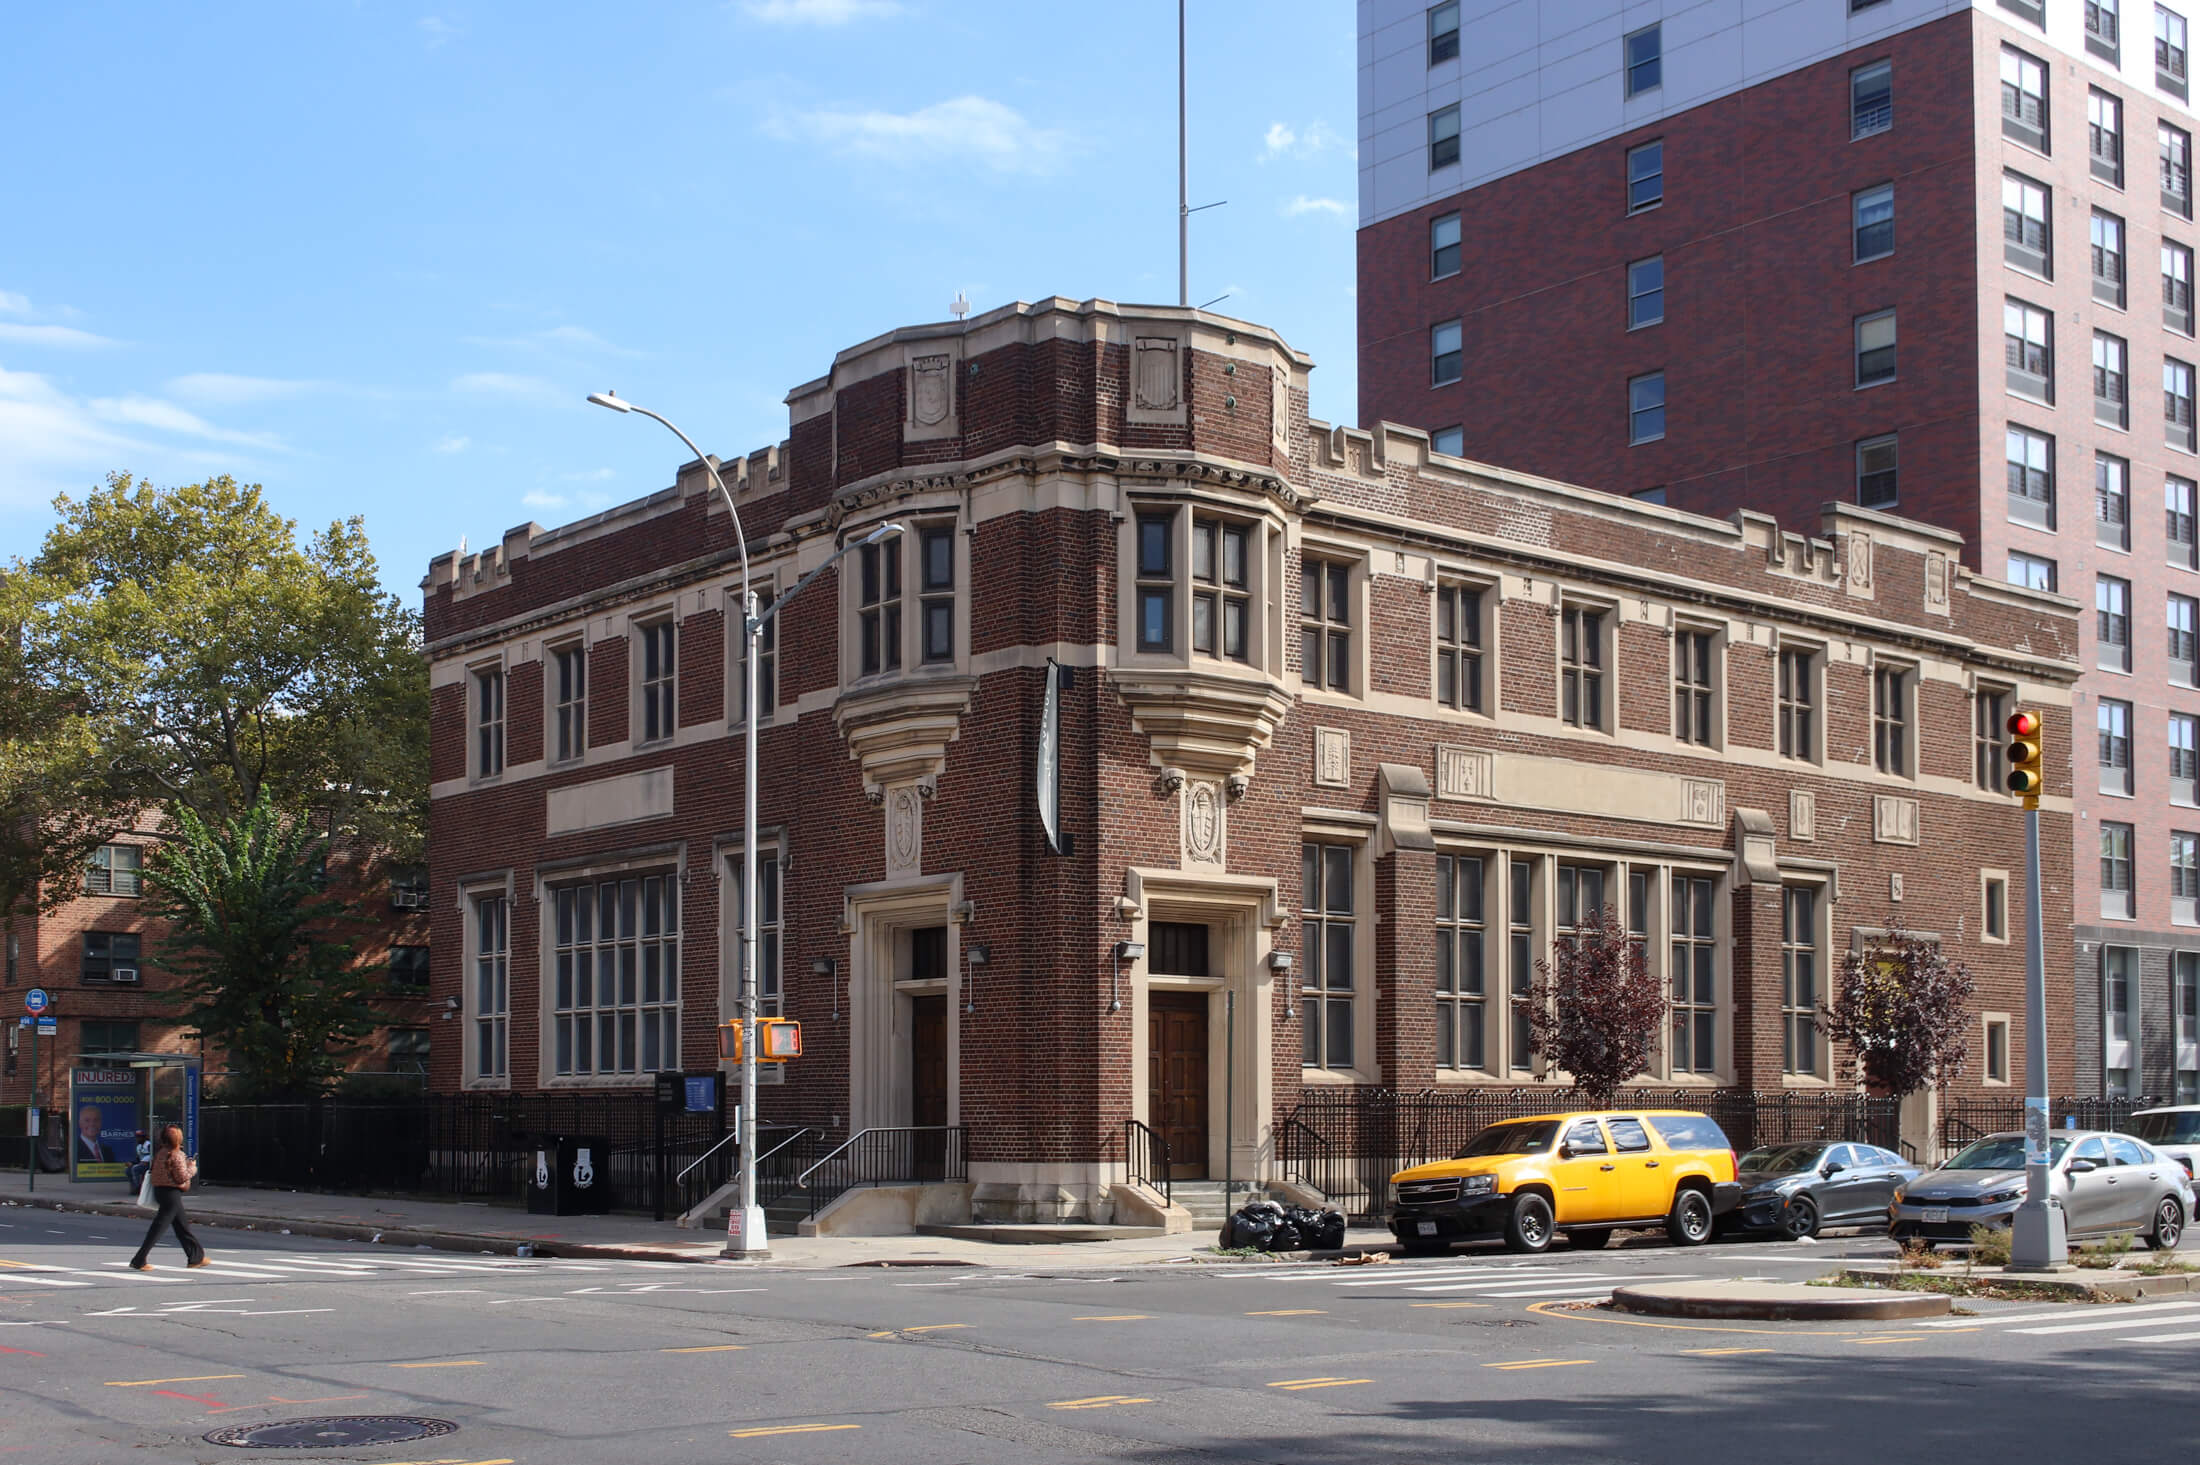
(35, 1000)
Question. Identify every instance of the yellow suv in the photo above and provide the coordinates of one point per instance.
(1586, 1174)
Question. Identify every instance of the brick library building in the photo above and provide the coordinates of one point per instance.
(1179, 761)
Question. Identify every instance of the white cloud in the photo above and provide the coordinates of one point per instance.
(1304, 205)
(220, 389)
(819, 12)
(1282, 140)
(57, 443)
(12, 304)
(978, 128)
(530, 390)
(163, 416)
(66, 337)
(535, 498)
(438, 30)
(452, 444)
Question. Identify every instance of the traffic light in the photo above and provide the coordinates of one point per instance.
(777, 1040)
(2026, 776)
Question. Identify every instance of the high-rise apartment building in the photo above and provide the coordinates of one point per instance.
(1933, 257)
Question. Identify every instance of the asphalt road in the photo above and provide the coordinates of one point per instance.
(1477, 1356)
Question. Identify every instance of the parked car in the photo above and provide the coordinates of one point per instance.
(2174, 1130)
(2105, 1184)
(1795, 1189)
(1583, 1174)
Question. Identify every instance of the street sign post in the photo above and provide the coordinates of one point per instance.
(35, 1002)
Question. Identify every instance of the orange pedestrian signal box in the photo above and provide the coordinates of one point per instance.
(777, 1040)
(2026, 776)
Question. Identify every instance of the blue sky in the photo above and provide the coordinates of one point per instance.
(373, 255)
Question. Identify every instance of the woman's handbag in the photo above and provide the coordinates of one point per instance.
(145, 1189)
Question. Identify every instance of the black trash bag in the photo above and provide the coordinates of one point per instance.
(1286, 1236)
(1327, 1233)
(1252, 1228)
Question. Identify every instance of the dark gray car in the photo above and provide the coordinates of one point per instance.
(2104, 1184)
(1792, 1190)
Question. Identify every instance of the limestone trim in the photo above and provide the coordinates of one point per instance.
(899, 732)
(879, 1018)
(1202, 721)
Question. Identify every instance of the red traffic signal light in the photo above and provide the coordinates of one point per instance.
(2023, 725)
(2026, 775)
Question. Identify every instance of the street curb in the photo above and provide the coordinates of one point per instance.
(389, 1235)
(1690, 1301)
(2107, 1288)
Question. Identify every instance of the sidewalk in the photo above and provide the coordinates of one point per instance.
(467, 1226)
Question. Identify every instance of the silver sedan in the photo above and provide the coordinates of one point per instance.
(2105, 1185)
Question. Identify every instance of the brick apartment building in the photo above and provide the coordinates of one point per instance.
(1928, 256)
(95, 957)
(1322, 695)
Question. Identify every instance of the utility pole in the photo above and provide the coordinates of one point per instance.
(2038, 1241)
(1183, 176)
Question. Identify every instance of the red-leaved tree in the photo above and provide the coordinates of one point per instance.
(1904, 1010)
(1595, 1009)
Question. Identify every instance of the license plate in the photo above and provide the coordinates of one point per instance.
(1428, 1228)
(1934, 1215)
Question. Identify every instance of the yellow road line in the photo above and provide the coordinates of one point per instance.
(1546, 1309)
(1291, 1312)
(927, 1328)
(712, 1348)
(1723, 1352)
(751, 1434)
(453, 1363)
(1099, 1401)
(1894, 1338)
(500, 1460)
(1450, 1304)
(1538, 1363)
(197, 1378)
(1115, 1317)
(1297, 1384)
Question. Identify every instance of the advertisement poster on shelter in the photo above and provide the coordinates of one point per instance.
(103, 1122)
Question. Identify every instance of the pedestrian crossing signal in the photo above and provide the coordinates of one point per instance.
(777, 1040)
(2026, 776)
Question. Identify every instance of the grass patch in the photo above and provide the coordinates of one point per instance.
(1990, 1246)
(1240, 1252)
(2100, 1255)
(1956, 1285)
(2161, 1266)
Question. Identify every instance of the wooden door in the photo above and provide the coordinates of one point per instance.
(928, 1083)
(1176, 1093)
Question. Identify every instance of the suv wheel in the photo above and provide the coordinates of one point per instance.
(1529, 1226)
(1689, 1222)
(2169, 1225)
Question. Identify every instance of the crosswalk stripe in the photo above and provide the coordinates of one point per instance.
(1477, 1277)
(46, 1281)
(2120, 1322)
(1518, 1289)
(2162, 1338)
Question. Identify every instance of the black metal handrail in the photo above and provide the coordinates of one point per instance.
(909, 1155)
(1298, 1146)
(1146, 1156)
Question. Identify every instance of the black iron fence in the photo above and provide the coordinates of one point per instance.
(1347, 1142)
(1146, 1159)
(1964, 1120)
(819, 1165)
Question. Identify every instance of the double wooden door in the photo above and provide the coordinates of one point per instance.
(1176, 1076)
(928, 1083)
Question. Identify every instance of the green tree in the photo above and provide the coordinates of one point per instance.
(255, 939)
(182, 645)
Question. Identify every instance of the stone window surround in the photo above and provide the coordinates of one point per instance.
(952, 513)
(1265, 576)
(474, 670)
(1363, 1068)
(470, 890)
(1828, 891)
(668, 860)
(639, 620)
(1489, 589)
(1608, 609)
(1717, 630)
(1988, 1021)
(2008, 907)
(1359, 565)
(1912, 684)
(573, 640)
(1816, 652)
(766, 585)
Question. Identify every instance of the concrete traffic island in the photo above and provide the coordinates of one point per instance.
(1776, 1301)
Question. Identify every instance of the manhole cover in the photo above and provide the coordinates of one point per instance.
(332, 1433)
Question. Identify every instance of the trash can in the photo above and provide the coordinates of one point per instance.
(569, 1176)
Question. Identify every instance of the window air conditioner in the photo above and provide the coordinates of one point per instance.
(125, 976)
(410, 900)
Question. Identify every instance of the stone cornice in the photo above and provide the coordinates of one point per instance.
(1199, 721)
(899, 732)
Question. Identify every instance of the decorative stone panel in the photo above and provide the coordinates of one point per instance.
(1894, 820)
(1802, 815)
(1332, 757)
(1205, 823)
(1464, 773)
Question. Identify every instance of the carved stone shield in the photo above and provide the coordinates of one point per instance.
(1153, 374)
(928, 390)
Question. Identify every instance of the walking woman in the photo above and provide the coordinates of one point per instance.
(172, 1172)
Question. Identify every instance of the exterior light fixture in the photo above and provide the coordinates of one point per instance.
(977, 956)
(1124, 951)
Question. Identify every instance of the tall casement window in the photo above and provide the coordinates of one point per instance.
(617, 1004)
(2185, 977)
(1694, 978)
(1443, 32)
(1221, 599)
(1646, 408)
(1875, 342)
(1645, 176)
(2177, 288)
(936, 594)
(1446, 354)
(878, 603)
(2178, 496)
(2118, 899)
(1872, 222)
(1443, 246)
(2031, 458)
(1989, 742)
(2107, 258)
(2184, 877)
(2184, 648)
(2028, 348)
(492, 985)
(2111, 502)
(1461, 984)
(2114, 722)
(2112, 623)
(1878, 464)
(2104, 29)
(768, 987)
(1157, 582)
(2119, 972)
(1325, 624)
(1443, 137)
(1799, 963)
(115, 869)
(2169, 51)
(1325, 883)
(488, 722)
(569, 700)
(1581, 667)
(1646, 292)
(2024, 98)
(660, 670)
(1798, 705)
(1459, 647)
(1891, 688)
(2111, 381)
(1581, 898)
(1871, 99)
(2184, 758)
(2104, 136)
(1645, 53)
(2031, 571)
(1520, 962)
(767, 661)
(2027, 239)
(1692, 686)
(2177, 415)
(2175, 147)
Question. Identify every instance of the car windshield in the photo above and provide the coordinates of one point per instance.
(2168, 1127)
(1776, 1159)
(2002, 1152)
(1511, 1139)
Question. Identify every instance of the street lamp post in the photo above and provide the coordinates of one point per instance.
(755, 1244)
